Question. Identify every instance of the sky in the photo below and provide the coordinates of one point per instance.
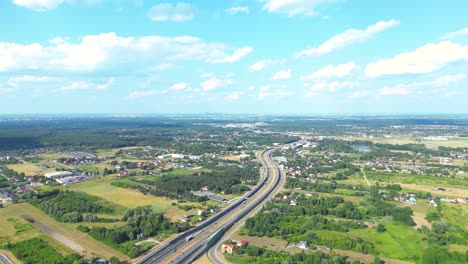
(233, 56)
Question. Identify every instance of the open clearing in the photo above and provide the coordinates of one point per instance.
(29, 169)
(8, 231)
(128, 198)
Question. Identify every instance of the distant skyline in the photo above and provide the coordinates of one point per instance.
(239, 56)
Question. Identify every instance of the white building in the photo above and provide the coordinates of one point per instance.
(58, 174)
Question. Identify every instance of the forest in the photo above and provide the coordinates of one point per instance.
(38, 251)
(72, 207)
(139, 221)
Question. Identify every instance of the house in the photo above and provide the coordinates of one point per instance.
(412, 200)
(141, 236)
(242, 243)
(303, 244)
(201, 211)
(204, 188)
(227, 248)
(293, 202)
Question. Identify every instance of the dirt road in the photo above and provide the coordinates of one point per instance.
(55, 235)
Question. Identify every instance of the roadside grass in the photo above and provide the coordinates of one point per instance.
(15, 229)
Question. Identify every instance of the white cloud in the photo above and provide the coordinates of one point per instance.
(261, 95)
(331, 71)
(396, 90)
(235, 95)
(358, 94)
(138, 94)
(349, 37)
(207, 75)
(105, 85)
(446, 80)
(425, 59)
(459, 33)
(38, 5)
(172, 12)
(282, 75)
(31, 79)
(180, 86)
(324, 86)
(215, 83)
(108, 50)
(46, 5)
(260, 65)
(77, 85)
(294, 7)
(237, 55)
(237, 9)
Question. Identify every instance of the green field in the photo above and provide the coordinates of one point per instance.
(15, 229)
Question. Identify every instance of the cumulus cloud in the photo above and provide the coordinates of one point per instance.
(237, 55)
(294, 7)
(260, 65)
(172, 12)
(283, 75)
(331, 71)
(38, 5)
(459, 33)
(215, 83)
(347, 38)
(237, 9)
(180, 86)
(425, 59)
(77, 85)
(446, 80)
(95, 52)
(46, 5)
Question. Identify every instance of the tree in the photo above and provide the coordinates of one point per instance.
(377, 260)
(114, 260)
(381, 228)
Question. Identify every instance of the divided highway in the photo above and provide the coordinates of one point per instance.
(190, 245)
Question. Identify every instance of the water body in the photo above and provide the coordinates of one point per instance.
(362, 148)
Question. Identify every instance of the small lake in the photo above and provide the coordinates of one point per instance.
(362, 148)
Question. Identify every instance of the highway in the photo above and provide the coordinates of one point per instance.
(215, 252)
(190, 245)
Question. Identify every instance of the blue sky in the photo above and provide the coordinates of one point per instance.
(239, 56)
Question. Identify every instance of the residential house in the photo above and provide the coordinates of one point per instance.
(227, 248)
(303, 244)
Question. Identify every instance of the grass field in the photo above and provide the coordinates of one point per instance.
(29, 169)
(453, 142)
(10, 217)
(398, 242)
(186, 172)
(128, 198)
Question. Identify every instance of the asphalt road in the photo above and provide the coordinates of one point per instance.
(213, 253)
(179, 250)
(5, 260)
